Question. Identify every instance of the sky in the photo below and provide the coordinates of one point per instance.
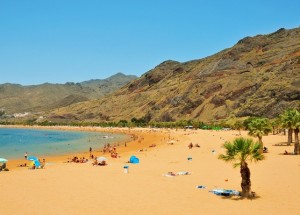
(58, 41)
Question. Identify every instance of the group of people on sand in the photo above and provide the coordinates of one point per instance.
(99, 163)
(191, 145)
(112, 150)
(33, 166)
(76, 159)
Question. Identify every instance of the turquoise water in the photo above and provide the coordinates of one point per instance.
(15, 142)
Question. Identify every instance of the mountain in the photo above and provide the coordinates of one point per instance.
(106, 86)
(259, 76)
(16, 98)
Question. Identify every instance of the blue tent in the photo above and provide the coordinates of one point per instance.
(133, 159)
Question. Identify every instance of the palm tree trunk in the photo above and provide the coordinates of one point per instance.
(296, 148)
(260, 141)
(290, 136)
(246, 182)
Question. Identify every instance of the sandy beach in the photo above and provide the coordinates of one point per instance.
(72, 188)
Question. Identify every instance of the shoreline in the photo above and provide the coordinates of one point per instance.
(137, 142)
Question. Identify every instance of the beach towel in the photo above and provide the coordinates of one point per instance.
(201, 187)
(223, 192)
(171, 174)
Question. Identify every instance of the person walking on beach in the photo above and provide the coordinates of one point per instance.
(91, 150)
(25, 155)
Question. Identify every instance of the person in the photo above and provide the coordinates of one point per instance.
(95, 162)
(43, 163)
(3, 166)
(285, 152)
(32, 165)
(265, 149)
(25, 155)
(102, 163)
(190, 145)
(91, 150)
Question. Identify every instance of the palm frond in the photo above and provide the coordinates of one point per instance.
(241, 150)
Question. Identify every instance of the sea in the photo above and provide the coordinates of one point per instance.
(14, 142)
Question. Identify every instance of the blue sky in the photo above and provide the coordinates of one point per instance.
(57, 41)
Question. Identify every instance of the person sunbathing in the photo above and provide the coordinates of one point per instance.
(114, 154)
(23, 165)
(102, 163)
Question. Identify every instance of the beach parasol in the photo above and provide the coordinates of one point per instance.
(100, 159)
(32, 158)
(3, 160)
(35, 160)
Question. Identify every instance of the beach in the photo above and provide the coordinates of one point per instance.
(81, 188)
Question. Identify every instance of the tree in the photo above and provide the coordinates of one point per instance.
(258, 127)
(290, 119)
(238, 125)
(275, 124)
(240, 151)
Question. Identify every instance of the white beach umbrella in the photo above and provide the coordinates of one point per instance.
(100, 159)
(3, 160)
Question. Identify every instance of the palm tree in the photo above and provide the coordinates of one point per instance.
(296, 131)
(275, 123)
(290, 119)
(259, 127)
(238, 125)
(240, 151)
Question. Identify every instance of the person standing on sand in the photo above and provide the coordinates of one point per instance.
(25, 155)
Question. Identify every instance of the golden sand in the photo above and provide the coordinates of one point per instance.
(72, 188)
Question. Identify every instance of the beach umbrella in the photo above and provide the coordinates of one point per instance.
(3, 160)
(100, 159)
(37, 163)
(32, 158)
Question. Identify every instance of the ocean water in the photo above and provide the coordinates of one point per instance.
(15, 142)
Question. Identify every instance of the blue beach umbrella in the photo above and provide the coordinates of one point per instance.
(3, 160)
(35, 160)
(32, 158)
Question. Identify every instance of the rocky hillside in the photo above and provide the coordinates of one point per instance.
(16, 98)
(259, 76)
